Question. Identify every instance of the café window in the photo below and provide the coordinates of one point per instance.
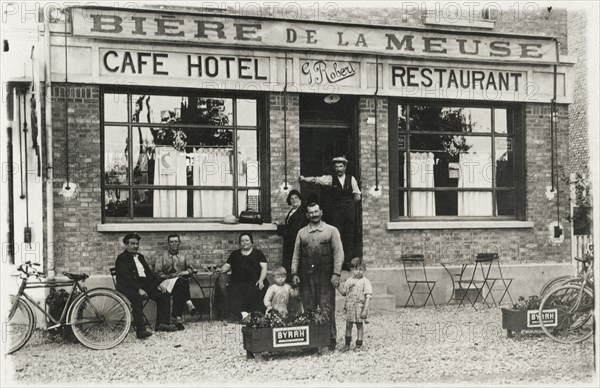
(455, 161)
(192, 156)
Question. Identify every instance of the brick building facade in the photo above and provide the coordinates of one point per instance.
(86, 240)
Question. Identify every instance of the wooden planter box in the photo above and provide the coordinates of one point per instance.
(257, 341)
(517, 320)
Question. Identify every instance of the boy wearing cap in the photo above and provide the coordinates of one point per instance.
(345, 194)
(136, 281)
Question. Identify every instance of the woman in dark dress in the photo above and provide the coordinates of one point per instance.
(247, 284)
(295, 220)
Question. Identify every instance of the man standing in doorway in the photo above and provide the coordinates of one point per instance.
(316, 265)
(345, 194)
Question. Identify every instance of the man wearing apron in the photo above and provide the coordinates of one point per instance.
(345, 193)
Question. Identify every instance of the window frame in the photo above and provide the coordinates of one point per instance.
(263, 150)
(515, 118)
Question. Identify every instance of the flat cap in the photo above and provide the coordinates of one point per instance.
(129, 236)
(340, 159)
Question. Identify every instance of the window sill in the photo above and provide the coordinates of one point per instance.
(183, 227)
(408, 225)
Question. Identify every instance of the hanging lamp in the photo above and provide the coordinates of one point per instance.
(284, 188)
(69, 189)
(376, 190)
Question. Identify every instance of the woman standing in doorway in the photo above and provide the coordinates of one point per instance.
(294, 221)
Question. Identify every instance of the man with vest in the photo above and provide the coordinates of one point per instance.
(345, 193)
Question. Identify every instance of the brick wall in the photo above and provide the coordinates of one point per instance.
(579, 152)
(279, 206)
(80, 248)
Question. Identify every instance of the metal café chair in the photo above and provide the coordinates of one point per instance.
(498, 281)
(207, 303)
(417, 278)
(476, 282)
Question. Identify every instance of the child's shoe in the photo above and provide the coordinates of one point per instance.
(345, 348)
(358, 346)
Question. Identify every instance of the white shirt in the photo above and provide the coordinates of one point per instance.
(139, 266)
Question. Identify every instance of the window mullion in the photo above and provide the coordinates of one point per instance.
(130, 155)
(235, 160)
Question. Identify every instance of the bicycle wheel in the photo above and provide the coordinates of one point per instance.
(100, 320)
(553, 283)
(20, 325)
(575, 313)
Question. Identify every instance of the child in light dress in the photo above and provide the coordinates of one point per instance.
(278, 294)
(358, 292)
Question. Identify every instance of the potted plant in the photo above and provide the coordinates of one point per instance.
(275, 332)
(524, 315)
(55, 303)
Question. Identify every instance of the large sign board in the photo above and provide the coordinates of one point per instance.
(229, 30)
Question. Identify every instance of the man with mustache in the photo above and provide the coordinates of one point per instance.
(316, 265)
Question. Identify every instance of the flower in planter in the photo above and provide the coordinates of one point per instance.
(274, 318)
(531, 303)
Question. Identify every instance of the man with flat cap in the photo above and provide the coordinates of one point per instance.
(345, 194)
(137, 282)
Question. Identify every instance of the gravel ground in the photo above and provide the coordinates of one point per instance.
(449, 345)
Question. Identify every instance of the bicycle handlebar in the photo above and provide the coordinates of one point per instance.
(27, 269)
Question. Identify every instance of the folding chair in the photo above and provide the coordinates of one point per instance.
(476, 282)
(414, 260)
(496, 280)
(113, 274)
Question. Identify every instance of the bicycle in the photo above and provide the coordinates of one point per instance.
(574, 305)
(100, 318)
(566, 279)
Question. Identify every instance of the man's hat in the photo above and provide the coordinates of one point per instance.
(340, 159)
(129, 236)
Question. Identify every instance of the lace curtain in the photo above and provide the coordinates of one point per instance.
(422, 204)
(213, 167)
(475, 172)
(170, 169)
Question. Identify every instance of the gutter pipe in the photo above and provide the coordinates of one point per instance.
(50, 263)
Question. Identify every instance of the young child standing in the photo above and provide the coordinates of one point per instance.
(278, 294)
(358, 292)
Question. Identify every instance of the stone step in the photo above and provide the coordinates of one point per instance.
(378, 301)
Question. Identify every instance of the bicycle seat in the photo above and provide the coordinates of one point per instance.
(76, 276)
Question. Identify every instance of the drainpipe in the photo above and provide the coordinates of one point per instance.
(50, 265)
(554, 142)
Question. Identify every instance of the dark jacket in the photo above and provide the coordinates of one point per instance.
(127, 274)
(289, 231)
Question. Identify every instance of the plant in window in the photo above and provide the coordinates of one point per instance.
(170, 136)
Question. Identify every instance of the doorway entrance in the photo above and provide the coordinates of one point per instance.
(328, 130)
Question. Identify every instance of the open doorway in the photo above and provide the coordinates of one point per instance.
(328, 130)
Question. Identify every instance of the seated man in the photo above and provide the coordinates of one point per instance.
(136, 281)
(171, 268)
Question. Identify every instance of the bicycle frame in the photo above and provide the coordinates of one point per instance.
(63, 283)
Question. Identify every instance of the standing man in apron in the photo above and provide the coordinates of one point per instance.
(316, 265)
